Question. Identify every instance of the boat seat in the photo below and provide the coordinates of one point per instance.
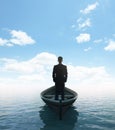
(68, 96)
(48, 96)
(52, 96)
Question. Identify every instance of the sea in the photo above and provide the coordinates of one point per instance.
(28, 112)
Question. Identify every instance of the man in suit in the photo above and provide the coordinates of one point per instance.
(59, 77)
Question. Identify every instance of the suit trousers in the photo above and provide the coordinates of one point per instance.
(59, 90)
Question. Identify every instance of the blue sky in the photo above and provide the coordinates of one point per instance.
(33, 33)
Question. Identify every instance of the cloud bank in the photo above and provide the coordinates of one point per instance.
(37, 72)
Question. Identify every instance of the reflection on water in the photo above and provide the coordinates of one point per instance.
(51, 120)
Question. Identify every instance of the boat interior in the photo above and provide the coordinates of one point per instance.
(51, 94)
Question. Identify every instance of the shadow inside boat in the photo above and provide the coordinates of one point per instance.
(51, 119)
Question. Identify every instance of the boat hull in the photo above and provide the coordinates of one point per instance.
(48, 96)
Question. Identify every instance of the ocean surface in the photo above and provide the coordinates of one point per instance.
(29, 112)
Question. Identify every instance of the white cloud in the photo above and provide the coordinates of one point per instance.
(34, 65)
(20, 38)
(86, 23)
(89, 8)
(110, 46)
(36, 74)
(32, 77)
(83, 37)
(98, 41)
(86, 73)
(3, 42)
(42, 64)
(90, 80)
(73, 26)
(87, 49)
(82, 24)
(26, 76)
(17, 38)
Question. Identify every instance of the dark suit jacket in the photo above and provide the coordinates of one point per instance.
(59, 73)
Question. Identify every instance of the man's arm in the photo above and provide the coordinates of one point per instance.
(66, 74)
(53, 74)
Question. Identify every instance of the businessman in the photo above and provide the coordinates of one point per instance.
(59, 75)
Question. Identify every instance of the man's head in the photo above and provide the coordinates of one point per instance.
(60, 59)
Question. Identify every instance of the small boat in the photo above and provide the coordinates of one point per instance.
(60, 106)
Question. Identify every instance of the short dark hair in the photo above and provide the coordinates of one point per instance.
(60, 58)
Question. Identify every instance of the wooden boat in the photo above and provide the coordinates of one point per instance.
(60, 106)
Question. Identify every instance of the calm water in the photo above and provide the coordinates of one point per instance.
(30, 113)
